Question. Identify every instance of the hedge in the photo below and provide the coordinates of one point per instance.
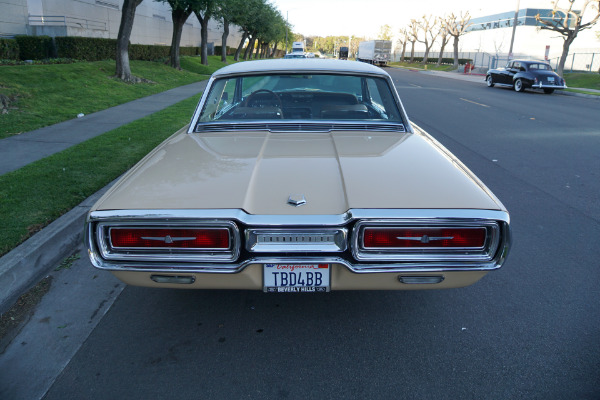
(434, 60)
(80, 48)
(35, 47)
(9, 49)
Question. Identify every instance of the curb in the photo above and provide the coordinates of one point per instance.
(23, 267)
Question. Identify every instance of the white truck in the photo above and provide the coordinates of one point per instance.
(375, 52)
(298, 47)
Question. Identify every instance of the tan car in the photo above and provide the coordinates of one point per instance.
(299, 176)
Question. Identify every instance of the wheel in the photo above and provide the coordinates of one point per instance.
(489, 81)
(250, 99)
(519, 86)
(548, 91)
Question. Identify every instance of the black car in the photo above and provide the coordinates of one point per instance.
(522, 74)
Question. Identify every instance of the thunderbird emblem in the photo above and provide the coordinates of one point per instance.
(296, 200)
(168, 239)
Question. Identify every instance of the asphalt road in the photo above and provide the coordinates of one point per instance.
(528, 331)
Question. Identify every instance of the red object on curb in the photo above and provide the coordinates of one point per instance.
(469, 67)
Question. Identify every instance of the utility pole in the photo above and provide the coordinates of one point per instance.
(512, 39)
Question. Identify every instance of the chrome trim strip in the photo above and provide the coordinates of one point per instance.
(179, 217)
(238, 267)
(296, 220)
(486, 253)
(108, 252)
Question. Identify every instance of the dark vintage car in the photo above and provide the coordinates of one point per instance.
(523, 74)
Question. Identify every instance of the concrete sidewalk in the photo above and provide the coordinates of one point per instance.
(20, 150)
(24, 266)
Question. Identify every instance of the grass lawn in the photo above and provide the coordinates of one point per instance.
(431, 67)
(43, 95)
(587, 80)
(37, 194)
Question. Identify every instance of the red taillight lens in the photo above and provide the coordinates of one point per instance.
(411, 237)
(186, 238)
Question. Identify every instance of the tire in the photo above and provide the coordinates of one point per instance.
(548, 91)
(489, 81)
(519, 86)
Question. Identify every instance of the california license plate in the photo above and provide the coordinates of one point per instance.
(296, 278)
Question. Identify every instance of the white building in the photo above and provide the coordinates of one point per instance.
(101, 19)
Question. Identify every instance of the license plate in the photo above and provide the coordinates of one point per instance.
(296, 278)
(551, 79)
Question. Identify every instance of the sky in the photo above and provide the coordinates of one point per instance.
(363, 18)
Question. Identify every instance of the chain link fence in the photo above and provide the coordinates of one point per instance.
(576, 62)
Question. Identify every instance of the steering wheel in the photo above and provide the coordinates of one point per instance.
(248, 102)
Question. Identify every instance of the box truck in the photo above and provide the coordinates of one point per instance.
(375, 52)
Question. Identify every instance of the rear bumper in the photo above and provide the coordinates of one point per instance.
(341, 279)
(544, 86)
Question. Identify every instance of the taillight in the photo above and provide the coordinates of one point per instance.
(178, 238)
(389, 240)
(411, 237)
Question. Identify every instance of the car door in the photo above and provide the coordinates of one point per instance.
(504, 74)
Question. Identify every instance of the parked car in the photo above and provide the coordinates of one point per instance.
(297, 54)
(299, 176)
(523, 74)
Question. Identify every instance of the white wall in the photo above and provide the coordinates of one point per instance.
(101, 18)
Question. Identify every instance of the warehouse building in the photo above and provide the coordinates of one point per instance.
(101, 19)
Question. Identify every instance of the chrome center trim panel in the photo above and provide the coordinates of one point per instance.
(322, 240)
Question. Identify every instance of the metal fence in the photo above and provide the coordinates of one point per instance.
(576, 62)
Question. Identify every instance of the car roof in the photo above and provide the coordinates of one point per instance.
(533, 61)
(295, 65)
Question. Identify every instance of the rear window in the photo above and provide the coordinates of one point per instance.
(301, 97)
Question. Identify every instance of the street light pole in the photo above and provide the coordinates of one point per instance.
(512, 39)
(286, 29)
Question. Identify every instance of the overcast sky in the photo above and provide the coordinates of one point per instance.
(365, 17)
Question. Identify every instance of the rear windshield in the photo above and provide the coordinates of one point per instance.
(301, 97)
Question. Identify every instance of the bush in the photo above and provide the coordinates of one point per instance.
(86, 49)
(230, 50)
(35, 47)
(147, 52)
(9, 49)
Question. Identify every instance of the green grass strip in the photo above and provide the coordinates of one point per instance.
(39, 193)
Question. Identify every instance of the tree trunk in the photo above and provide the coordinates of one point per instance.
(236, 57)
(444, 42)
(250, 48)
(563, 57)
(123, 71)
(455, 45)
(224, 41)
(203, 19)
(179, 17)
(403, 52)
(274, 50)
(412, 52)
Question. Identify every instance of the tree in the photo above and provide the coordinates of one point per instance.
(180, 12)
(444, 38)
(413, 31)
(569, 23)
(402, 41)
(427, 25)
(385, 32)
(123, 71)
(457, 26)
(204, 10)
